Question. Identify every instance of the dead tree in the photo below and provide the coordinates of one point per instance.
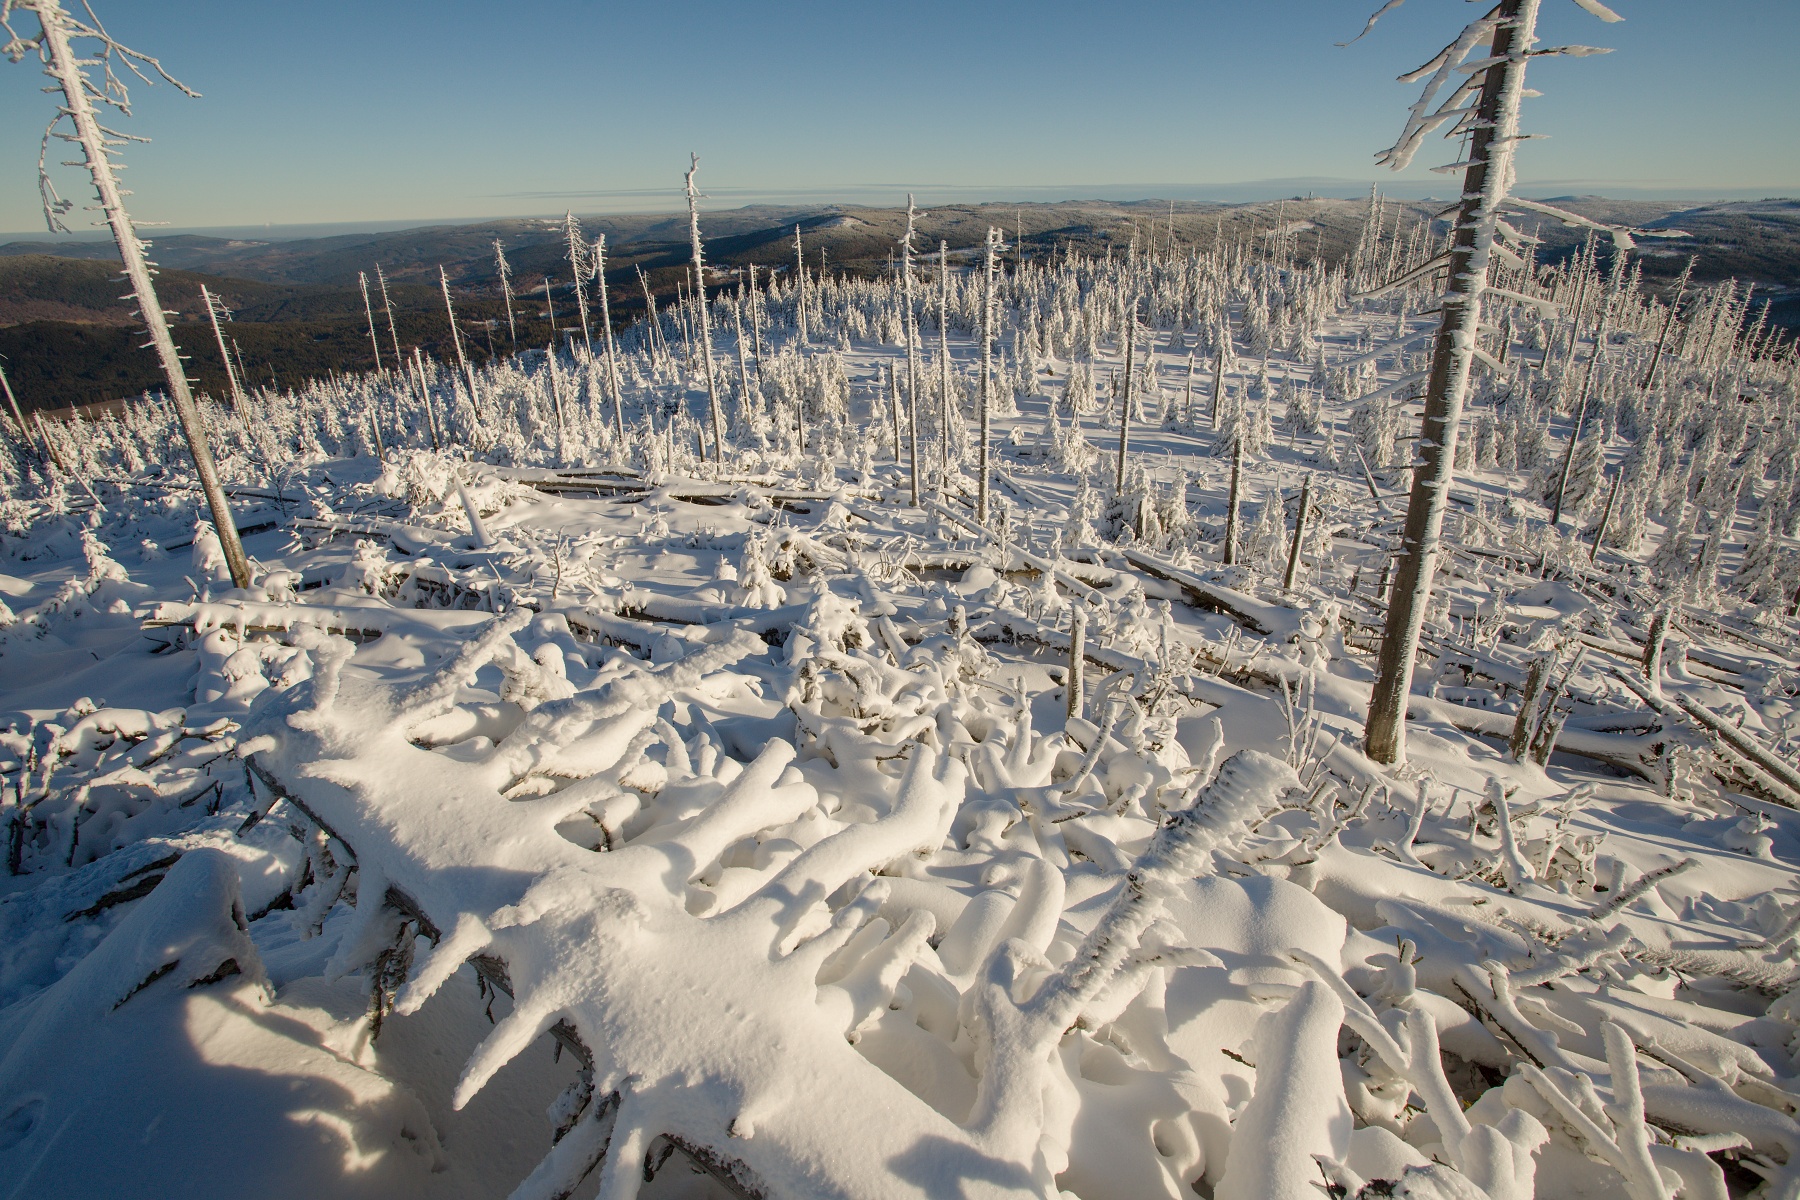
(18, 415)
(800, 281)
(1581, 411)
(1229, 555)
(393, 333)
(612, 350)
(79, 93)
(1662, 339)
(1293, 562)
(706, 354)
(462, 360)
(1493, 125)
(214, 306)
(577, 268)
(503, 269)
(362, 281)
(910, 333)
(989, 266)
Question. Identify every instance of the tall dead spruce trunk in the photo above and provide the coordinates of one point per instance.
(1125, 335)
(63, 65)
(712, 383)
(1494, 135)
(989, 266)
(612, 350)
(912, 342)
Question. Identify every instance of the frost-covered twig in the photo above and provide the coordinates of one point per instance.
(1639, 887)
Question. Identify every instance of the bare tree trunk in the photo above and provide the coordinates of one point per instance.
(431, 425)
(1229, 555)
(1653, 649)
(1662, 339)
(1525, 721)
(18, 414)
(1293, 562)
(987, 374)
(712, 382)
(612, 349)
(362, 280)
(65, 67)
(910, 333)
(462, 359)
(1484, 188)
(1074, 685)
(756, 345)
(1581, 407)
(1130, 319)
(212, 313)
(393, 333)
(556, 398)
(943, 396)
(737, 320)
(504, 270)
(578, 268)
(800, 276)
(1612, 499)
(894, 407)
(1218, 387)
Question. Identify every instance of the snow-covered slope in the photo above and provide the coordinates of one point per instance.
(791, 852)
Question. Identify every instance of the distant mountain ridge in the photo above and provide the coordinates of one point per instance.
(68, 337)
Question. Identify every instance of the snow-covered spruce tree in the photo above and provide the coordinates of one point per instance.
(1492, 126)
(705, 330)
(57, 31)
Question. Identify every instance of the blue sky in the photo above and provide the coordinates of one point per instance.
(413, 111)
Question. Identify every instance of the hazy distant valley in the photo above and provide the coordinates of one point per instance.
(68, 338)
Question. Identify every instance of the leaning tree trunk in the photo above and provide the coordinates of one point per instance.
(362, 280)
(1484, 188)
(1581, 410)
(65, 67)
(1662, 339)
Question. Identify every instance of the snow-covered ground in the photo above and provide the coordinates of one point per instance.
(560, 807)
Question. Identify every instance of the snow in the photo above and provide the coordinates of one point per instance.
(746, 803)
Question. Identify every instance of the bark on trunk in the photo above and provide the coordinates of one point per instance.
(1293, 562)
(1229, 556)
(1484, 188)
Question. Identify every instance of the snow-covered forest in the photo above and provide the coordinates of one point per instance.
(915, 736)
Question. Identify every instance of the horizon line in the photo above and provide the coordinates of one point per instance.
(1270, 190)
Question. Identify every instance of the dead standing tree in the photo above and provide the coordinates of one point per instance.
(910, 332)
(503, 269)
(990, 266)
(1496, 82)
(712, 383)
(98, 143)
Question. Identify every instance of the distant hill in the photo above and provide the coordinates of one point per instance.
(67, 337)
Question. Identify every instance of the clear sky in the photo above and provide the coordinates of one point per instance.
(407, 110)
